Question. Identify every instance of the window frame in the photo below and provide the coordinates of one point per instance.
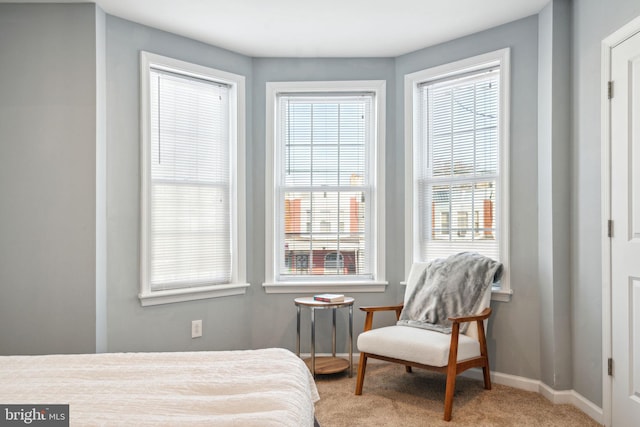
(322, 284)
(237, 126)
(412, 82)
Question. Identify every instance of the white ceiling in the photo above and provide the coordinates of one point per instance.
(320, 28)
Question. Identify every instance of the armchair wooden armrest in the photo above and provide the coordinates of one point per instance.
(368, 321)
(382, 307)
(455, 329)
(462, 319)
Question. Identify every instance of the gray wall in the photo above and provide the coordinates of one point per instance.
(554, 126)
(47, 179)
(253, 320)
(259, 319)
(593, 20)
(101, 181)
(165, 327)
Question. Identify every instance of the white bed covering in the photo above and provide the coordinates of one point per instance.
(269, 387)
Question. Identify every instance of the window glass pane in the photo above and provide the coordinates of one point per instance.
(463, 153)
(297, 123)
(321, 223)
(297, 164)
(439, 214)
(324, 123)
(441, 149)
(189, 129)
(462, 205)
(326, 164)
(487, 151)
(190, 236)
(463, 113)
(458, 172)
(440, 120)
(325, 185)
(190, 219)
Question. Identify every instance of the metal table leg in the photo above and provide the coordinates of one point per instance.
(333, 334)
(298, 332)
(350, 341)
(313, 341)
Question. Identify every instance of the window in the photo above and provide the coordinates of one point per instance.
(457, 161)
(463, 217)
(444, 224)
(325, 191)
(334, 263)
(192, 231)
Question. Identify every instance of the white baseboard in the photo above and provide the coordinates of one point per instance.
(573, 398)
(557, 397)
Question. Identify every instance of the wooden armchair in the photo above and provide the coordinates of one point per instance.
(427, 349)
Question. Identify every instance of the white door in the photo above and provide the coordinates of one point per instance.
(625, 243)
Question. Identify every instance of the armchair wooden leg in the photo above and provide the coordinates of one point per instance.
(487, 376)
(362, 366)
(484, 354)
(451, 388)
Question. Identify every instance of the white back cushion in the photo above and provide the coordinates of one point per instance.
(414, 274)
(472, 330)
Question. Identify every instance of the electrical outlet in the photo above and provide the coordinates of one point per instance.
(196, 328)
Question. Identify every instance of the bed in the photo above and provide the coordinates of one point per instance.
(268, 387)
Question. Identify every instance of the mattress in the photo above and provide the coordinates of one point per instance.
(268, 387)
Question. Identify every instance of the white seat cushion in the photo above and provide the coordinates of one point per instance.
(416, 345)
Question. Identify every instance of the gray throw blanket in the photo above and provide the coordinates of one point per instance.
(447, 288)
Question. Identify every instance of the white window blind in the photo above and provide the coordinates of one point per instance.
(190, 185)
(458, 175)
(324, 185)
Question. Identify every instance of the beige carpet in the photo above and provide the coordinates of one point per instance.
(392, 397)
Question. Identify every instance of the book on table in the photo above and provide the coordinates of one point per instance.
(329, 297)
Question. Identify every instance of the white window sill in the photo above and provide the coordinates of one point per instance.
(329, 287)
(503, 295)
(497, 294)
(191, 294)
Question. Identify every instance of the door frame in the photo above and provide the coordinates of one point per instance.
(608, 44)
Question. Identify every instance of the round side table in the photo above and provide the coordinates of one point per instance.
(326, 365)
